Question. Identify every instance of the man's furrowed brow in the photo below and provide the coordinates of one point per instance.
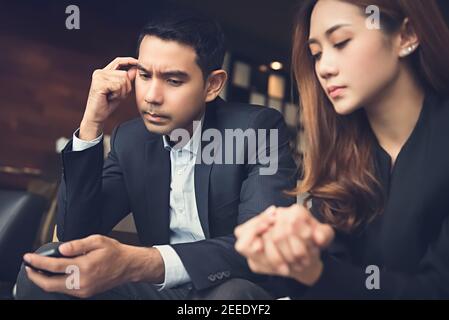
(142, 68)
(174, 74)
(166, 73)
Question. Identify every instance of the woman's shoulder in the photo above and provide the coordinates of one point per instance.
(440, 101)
(439, 107)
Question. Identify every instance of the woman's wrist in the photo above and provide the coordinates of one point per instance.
(311, 275)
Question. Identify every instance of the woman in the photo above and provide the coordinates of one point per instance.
(376, 167)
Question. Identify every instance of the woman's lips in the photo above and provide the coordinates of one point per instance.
(335, 91)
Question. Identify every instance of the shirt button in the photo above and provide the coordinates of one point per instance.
(179, 172)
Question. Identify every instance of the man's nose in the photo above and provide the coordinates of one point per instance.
(154, 94)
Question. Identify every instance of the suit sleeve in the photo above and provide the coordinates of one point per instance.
(344, 279)
(258, 191)
(92, 195)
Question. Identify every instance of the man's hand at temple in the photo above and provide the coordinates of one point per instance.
(109, 87)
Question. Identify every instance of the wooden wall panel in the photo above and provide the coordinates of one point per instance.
(43, 95)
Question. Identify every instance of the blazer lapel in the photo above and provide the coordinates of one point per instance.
(157, 190)
(202, 174)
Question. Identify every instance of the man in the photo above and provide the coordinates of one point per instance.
(185, 207)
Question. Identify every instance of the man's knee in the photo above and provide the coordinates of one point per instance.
(25, 289)
(236, 289)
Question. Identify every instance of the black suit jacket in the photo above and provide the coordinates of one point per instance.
(95, 195)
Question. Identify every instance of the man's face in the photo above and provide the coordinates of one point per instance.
(170, 90)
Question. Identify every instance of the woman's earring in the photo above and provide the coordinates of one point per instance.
(407, 51)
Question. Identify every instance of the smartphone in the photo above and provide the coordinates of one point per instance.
(54, 253)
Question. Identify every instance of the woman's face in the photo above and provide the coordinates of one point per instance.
(354, 64)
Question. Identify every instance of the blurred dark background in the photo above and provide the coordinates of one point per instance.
(45, 69)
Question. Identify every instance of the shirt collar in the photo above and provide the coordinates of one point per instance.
(192, 145)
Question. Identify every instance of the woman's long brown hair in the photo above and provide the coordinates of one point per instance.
(338, 166)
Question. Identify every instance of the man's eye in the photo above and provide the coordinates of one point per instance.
(175, 83)
(341, 44)
(144, 76)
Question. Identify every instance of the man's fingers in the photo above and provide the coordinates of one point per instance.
(129, 86)
(250, 230)
(132, 72)
(258, 222)
(119, 85)
(127, 67)
(124, 88)
(120, 62)
(257, 266)
(49, 284)
(256, 247)
(82, 246)
(55, 265)
(245, 241)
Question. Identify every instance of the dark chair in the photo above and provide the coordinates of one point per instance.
(21, 213)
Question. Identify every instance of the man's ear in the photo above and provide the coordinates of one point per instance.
(215, 83)
(409, 41)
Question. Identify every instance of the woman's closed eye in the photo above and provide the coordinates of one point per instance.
(341, 44)
(316, 56)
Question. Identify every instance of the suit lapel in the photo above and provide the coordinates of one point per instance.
(202, 174)
(157, 190)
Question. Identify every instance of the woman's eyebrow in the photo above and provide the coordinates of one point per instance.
(329, 32)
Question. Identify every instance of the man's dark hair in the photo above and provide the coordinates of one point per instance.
(191, 28)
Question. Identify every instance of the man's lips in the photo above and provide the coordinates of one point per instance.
(154, 117)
